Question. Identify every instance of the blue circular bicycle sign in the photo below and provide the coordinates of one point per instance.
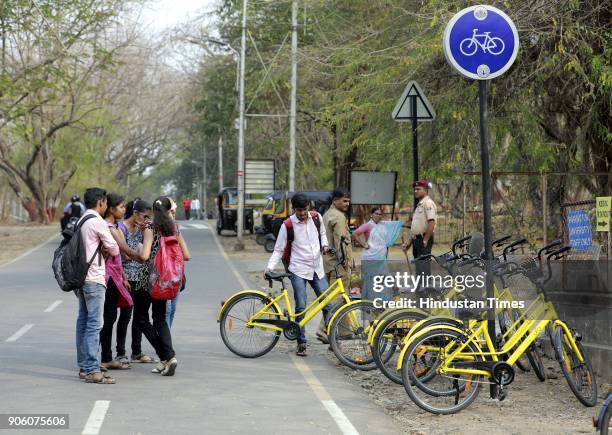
(481, 42)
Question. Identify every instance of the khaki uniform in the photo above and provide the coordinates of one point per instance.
(425, 211)
(336, 226)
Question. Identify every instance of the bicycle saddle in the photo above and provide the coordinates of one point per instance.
(277, 276)
(469, 314)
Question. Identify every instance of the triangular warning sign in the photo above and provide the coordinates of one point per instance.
(403, 108)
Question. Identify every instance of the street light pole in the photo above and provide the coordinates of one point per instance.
(204, 197)
(292, 123)
(220, 162)
(240, 173)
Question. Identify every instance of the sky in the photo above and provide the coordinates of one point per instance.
(166, 13)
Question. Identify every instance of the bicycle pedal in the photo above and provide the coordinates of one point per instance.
(501, 394)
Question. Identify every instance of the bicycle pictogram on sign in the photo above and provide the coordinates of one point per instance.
(489, 44)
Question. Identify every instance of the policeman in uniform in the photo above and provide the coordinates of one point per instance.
(423, 226)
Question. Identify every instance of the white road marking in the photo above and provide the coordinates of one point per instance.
(96, 418)
(25, 254)
(17, 335)
(334, 410)
(200, 226)
(53, 306)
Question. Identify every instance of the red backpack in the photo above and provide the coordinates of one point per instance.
(288, 223)
(169, 269)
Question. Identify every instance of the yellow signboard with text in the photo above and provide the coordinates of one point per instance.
(603, 207)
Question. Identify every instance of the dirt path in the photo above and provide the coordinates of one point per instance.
(17, 239)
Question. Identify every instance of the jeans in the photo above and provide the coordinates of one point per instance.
(319, 285)
(110, 317)
(158, 333)
(170, 310)
(89, 325)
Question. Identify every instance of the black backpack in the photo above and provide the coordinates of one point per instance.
(69, 262)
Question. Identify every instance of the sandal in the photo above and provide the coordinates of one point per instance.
(91, 378)
(116, 365)
(83, 375)
(142, 358)
(123, 359)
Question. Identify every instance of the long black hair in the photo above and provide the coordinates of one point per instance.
(137, 204)
(161, 216)
(113, 200)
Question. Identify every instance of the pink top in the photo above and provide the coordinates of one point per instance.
(95, 231)
(114, 271)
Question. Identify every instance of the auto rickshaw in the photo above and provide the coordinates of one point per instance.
(227, 202)
(319, 201)
(267, 216)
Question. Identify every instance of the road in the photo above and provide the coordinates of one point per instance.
(213, 391)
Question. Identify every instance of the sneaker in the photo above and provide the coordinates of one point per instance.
(301, 350)
(159, 367)
(170, 367)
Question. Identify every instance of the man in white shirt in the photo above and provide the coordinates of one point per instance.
(195, 208)
(304, 257)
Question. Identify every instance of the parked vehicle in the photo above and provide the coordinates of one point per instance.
(227, 203)
(320, 201)
(267, 216)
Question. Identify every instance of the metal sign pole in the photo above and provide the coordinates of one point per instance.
(415, 142)
(486, 208)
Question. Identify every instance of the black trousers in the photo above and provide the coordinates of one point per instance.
(136, 332)
(158, 333)
(418, 249)
(110, 317)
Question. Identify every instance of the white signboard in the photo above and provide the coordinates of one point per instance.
(259, 176)
(373, 188)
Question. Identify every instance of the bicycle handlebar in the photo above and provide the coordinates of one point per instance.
(546, 249)
(460, 243)
(501, 241)
(512, 247)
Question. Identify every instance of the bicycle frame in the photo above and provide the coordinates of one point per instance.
(334, 290)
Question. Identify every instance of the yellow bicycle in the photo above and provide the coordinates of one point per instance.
(443, 366)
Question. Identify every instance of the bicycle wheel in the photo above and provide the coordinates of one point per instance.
(348, 335)
(579, 375)
(387, 341)
(248, 341)
(441, 393)
(535, 360)
(605, 425)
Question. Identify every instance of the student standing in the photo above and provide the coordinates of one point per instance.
(96, 237)
(157, 333)
(171, 305)
(117, 289)
(138, 213)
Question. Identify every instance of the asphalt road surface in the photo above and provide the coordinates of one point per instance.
(213, 391)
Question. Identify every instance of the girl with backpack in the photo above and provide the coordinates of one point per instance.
(163, 249)
(137, 216)
(117, 290)
(171, 306)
